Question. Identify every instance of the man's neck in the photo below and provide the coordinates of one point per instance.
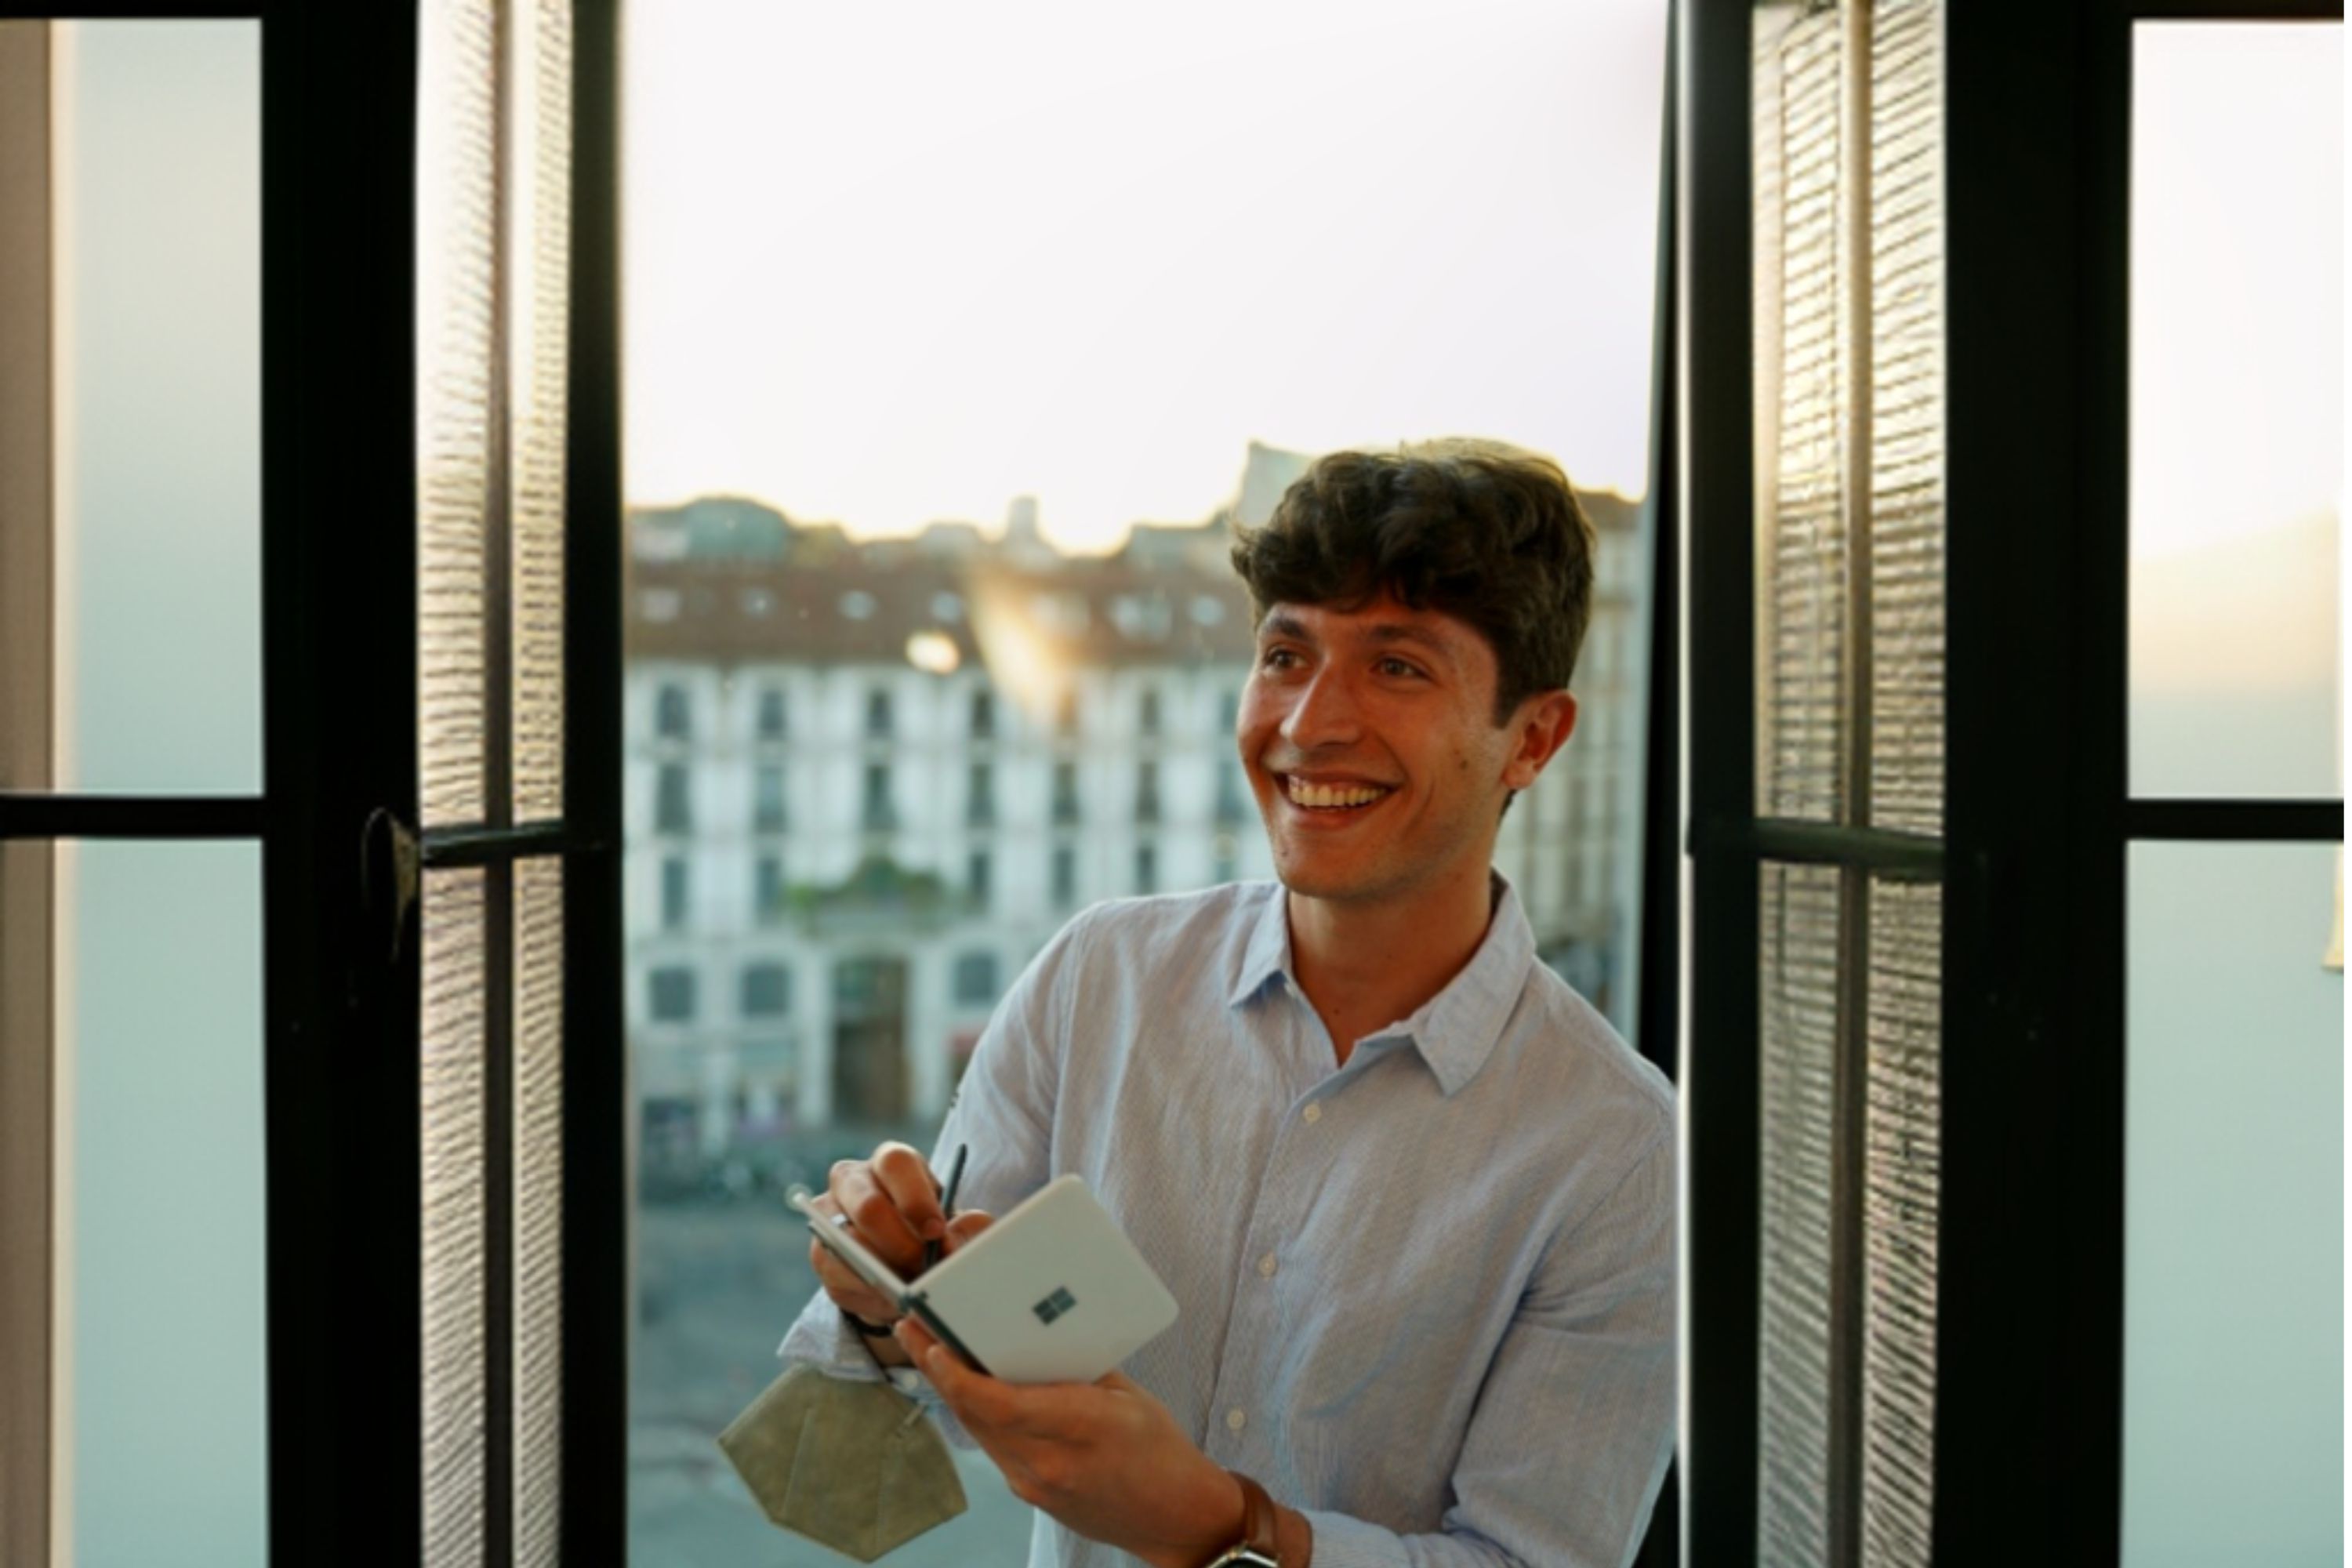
(1366, 966)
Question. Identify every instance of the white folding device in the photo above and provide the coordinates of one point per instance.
(1053, 1292)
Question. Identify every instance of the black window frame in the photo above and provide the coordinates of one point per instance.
(340, 767)
(2028, 1405)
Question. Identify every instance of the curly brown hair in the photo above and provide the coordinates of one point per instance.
(1480, 529)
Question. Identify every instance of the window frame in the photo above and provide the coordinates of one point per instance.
(2028, 1406)
(340, 778)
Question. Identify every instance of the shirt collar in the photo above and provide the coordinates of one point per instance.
(1455, 1031)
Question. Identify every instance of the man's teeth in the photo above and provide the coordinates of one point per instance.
(1309, 795)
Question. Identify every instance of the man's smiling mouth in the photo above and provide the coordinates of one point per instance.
(1330, 797)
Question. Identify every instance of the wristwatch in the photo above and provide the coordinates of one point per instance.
(1255, 1548)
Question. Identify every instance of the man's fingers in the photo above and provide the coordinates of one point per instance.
(966, 1226)
(850, 1293)
(903, 1176)
(1027, 1410)
(857, 1193)
(979, 1400)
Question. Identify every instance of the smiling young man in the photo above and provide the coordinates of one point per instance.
(1415, 1199)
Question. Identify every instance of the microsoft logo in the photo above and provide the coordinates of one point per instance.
(1054, 1306)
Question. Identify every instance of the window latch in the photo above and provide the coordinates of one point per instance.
(390, 864)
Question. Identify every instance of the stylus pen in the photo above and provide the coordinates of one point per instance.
(947, 1203)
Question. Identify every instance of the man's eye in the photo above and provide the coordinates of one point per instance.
(1398, 667)
(1277, 658)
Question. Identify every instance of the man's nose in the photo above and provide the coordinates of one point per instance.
(1323, 714)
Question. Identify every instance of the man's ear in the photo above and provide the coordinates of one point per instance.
(1539, 729)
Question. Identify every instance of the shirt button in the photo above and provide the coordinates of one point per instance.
(1236, 1420)
(1265, 1265)
(1312, 1114)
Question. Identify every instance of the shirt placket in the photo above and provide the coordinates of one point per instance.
(1241, 1413)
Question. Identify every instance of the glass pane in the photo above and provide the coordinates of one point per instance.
(2233, 1206)
(1906, 416)
(1798, 1087)
(960, 633)
(160, 1242)
(538, 1207)
(454, 1085)
(539, 188)
(2237, 408)
(1901, 1168)
(157, 388)
(1803, 375)
(457, 222)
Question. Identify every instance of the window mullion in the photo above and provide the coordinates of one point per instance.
(1849, 1132)
(498, 785)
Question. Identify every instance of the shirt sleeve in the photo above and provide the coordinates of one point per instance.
(1003, 1112)
(1575, 1423)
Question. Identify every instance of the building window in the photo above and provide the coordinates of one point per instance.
(975, 978)
(767, 990)
(671, 810)
(1066, 876)
(978, 870)
(1147, 718)
(1065, 711)
(877, 713)
(768, 799)
(1228, 860)
(772, 713)
(1147, 869)
(672, 720)
(983, 714)
(1230, 807)
(1229, 712)
(1147, 791)
(670, 997)
(877, 814)
(979, 798)
(674, 893)
(1066, 792)
(768, 890)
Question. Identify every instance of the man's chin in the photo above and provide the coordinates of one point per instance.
(1328, 884)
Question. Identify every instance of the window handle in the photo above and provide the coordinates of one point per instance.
(390, 859)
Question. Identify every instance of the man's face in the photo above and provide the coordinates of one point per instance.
(1370, 738)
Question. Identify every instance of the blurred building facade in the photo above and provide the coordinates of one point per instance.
(866, 783)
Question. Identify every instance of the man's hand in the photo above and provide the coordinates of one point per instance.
(893, 1207)
(1104, 1458)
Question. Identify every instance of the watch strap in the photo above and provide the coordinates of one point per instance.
(1256, 1548)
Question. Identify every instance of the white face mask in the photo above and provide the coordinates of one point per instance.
(852, 1466)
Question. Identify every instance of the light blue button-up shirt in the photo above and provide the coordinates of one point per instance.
(1427, 1298)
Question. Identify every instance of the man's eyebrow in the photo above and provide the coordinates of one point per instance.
(1282, 624)
(1394, 632)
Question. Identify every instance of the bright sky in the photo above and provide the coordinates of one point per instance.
(2237, 281)
(890, 264)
